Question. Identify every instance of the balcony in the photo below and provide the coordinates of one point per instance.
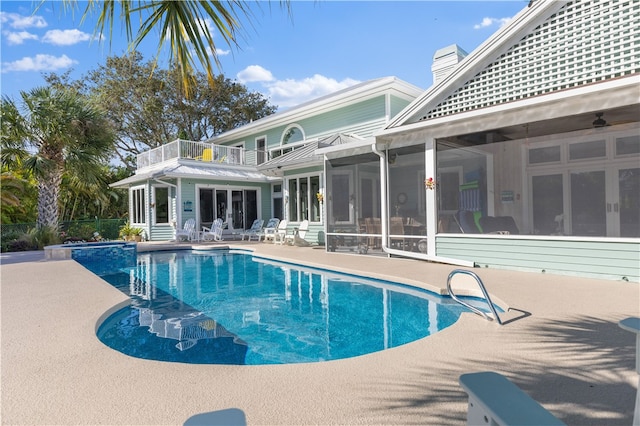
(200, 151)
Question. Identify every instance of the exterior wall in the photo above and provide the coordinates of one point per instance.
(603, 259)
(396, 105)
(362, 118)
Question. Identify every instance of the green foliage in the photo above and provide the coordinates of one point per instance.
(39, 237)
(149, 107)
(9, 241)
(57, 132)
(83, 231)
(183, 24)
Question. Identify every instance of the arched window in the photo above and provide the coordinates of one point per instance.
(292, 134)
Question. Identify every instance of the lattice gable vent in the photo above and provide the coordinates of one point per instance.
(584, 42)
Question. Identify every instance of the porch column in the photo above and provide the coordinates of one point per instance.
(430, 195)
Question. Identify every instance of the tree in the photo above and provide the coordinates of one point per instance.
(149, 108)
(185, 24)
(59, 132)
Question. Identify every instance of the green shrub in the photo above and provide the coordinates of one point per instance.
(20, 245)
(83, 231)
(41, 237)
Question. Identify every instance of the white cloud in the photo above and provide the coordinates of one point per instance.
(65, 37)
(254, 73)
(15, 20)
(489, 22)
(290, 92)
(219, 52)
(14, 38)
(39, 63)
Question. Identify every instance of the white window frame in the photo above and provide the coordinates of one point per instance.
(138, 205)
(310, 196)
(154, 201)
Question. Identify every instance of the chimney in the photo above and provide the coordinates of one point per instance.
(445, 60)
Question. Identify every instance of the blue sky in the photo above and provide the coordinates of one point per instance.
(324, 46)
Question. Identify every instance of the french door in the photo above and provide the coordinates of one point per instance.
(238, 207)
(598, 201)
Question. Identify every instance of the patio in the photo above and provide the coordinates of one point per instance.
(565, 349)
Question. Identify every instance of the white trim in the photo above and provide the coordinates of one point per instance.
(343, 98)
(594, 97)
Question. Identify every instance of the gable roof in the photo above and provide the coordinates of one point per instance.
(549, 47)
(339, 99)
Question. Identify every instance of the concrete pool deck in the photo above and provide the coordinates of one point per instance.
(562, 346)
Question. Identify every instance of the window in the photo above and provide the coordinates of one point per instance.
(277, 201)
(303, 202)
(161, 209)
(261, 154)
(292, 134)
(293, 137)
(549, 154)
(587, 150)
(138, 206)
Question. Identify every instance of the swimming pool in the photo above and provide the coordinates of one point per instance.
(229, 307)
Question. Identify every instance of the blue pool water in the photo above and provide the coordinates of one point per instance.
(226, 307)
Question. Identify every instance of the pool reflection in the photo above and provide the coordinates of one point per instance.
(232, 308)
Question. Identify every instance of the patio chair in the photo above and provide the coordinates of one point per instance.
(207, 155)
(188, 230)
(253, 231)
(277, 237)
(396, 226)
(214, 233)
(297, 237)
(465, 220)
(270, 228)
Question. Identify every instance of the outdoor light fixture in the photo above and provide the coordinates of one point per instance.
(599, 122)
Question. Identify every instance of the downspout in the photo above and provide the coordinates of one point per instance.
(384, 221)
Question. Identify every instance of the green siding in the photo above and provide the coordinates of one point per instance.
(304, 171)
(397, 105)
(596, 259)
(362, 118)
(161, 233)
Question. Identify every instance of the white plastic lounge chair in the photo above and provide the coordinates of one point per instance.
(214, 233)
(297, 237)
(269, 228)
(277, 236)
(188, 230)
(253, 231)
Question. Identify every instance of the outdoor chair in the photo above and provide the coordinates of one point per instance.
(277, 237)
(465, 219)
(270, 228)
(253, 231)
(396, 228)
(297, 237)
(214, 233)
(188, 231)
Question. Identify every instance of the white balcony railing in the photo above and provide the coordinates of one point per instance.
(200, 151)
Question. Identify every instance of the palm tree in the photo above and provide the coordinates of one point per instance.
(59, 132)
(184, 24)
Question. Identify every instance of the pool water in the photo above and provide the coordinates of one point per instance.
(229, 307)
